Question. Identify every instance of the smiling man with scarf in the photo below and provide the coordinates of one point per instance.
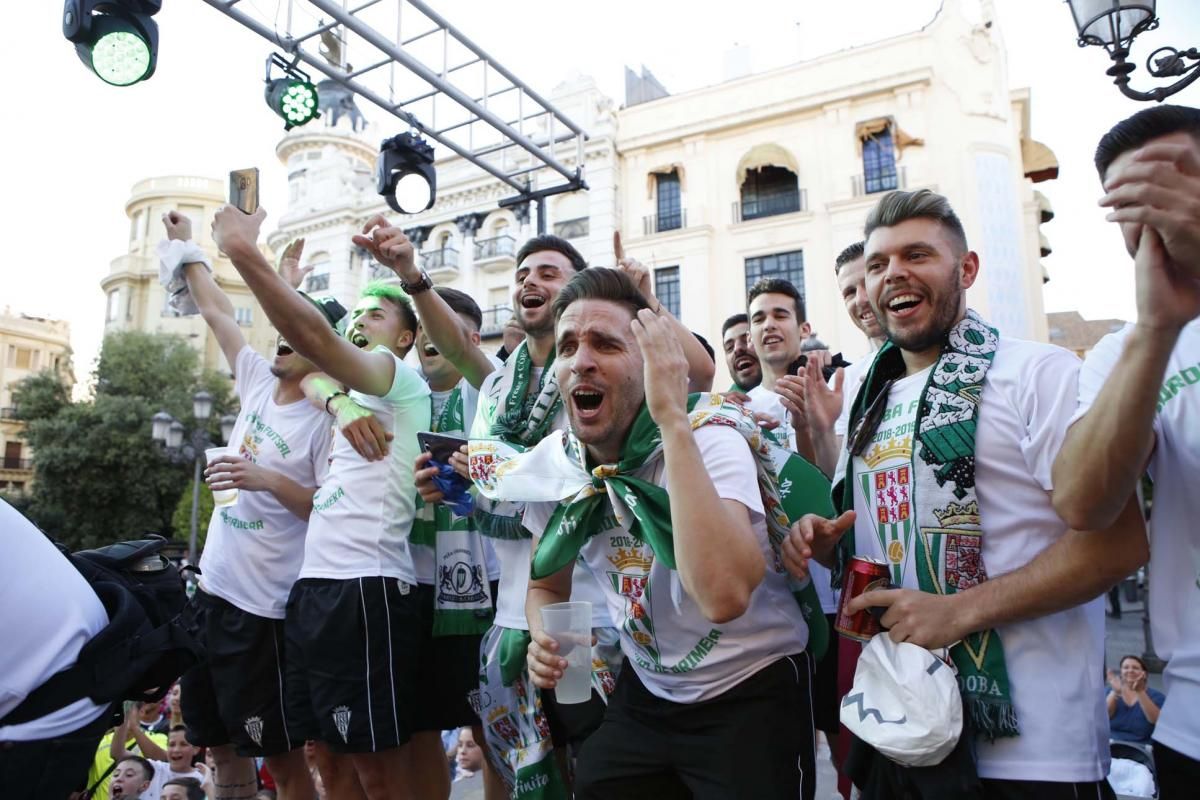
(947, 465)
(673, 503)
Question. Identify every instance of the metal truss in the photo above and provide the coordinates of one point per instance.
(413, 64)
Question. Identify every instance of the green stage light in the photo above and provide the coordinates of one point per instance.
(292, 97)
(116, 39)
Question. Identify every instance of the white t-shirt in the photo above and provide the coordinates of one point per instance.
(1174, 530)
(424, 558)
(767, 402)
(162, 774)
(678, 653)
(852, 381)
(514, 554)
(1055, 663)
(255, 546)
(363, 512)
(48, 612)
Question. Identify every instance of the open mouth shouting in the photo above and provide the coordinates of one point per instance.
(533, 300)
(358, 339)
(283, 349)
(587, 401)
(744, 363)
(904, 304)
(429, 350)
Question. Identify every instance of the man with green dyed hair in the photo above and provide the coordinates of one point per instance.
(353, 627)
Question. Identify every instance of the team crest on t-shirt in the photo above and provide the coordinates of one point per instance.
(888, 492)
(631, 581)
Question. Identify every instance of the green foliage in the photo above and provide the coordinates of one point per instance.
(100, 476)
(181, 520)
(40, 396)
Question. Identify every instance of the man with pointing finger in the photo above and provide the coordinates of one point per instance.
(947, 467)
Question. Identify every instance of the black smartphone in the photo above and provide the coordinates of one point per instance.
(440, 446)
(243, 189)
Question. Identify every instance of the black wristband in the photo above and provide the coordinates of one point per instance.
(330, 399)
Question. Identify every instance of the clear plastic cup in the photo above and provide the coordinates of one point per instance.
(570, 624)
(224, 497)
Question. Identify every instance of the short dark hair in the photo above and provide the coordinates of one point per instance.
(1150, 123)
(707, 347)
(851, 253)
(194, 790)
(147, 767)
(461, 303)
(600, 283)
(556, 243)
(181, 728)
(778, 286)
(1138, 659)
(897, 207)
(736, 319)
(396, 296)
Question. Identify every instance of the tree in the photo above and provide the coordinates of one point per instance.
(40, 396)
(181, 520)
(100, 477)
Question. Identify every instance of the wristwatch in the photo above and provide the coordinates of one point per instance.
(423, 285)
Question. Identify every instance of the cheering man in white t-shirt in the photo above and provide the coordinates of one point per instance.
(713, 697)
(946, 479)
(1139, 406)
(233, 703)
(353, 628)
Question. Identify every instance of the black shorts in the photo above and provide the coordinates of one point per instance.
(753, 741)
(236, 695)
(826, 700)
(447, 673)
(352, 653)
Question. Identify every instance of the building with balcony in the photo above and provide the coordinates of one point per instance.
(134, 298)
(28, 345)
(465, 240)
(772, 174)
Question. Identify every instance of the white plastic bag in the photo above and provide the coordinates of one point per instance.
(904, 703)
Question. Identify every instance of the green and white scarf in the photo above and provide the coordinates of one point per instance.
(556, 471)
(463, 604)
(949, 553)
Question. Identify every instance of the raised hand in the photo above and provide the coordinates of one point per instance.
(289, 264)
(390, 247)
(637, 273)
(1168, 297)
(665, 368)
(234, 230)
(812, 536)
(179, 226)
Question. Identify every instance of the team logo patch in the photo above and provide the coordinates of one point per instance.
(341, 718)
(254, 729)
(461, 583)
(892, 499)
(964, 565)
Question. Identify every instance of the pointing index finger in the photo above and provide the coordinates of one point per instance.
(618, 250)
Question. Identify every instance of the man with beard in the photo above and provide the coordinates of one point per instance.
(277, 457)
(739, 353)
(947, 481)
(353, 627)
(1139, 401)
(667, 509)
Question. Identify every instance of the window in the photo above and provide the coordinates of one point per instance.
(20, 357)
(12, 455)
(572, 228)
(245, 316)
(768, 191)
(666, 288)
(315, 283)
(114, 305)
(670, 216)
(879, 162)
(133, 225)
(789, 266)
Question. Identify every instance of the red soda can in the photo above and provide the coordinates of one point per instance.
(862, 575)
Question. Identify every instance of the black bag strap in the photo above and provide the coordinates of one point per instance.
(90, 792)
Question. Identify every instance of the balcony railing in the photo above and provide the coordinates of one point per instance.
(447, 257)
(496, 247)
(494, 320)
(379, 272)
(881, 181)
(9, 412)
(17, 463)
(661, 223)
(317, 283)
(770, 205)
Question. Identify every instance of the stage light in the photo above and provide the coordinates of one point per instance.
(293, 97)
(116, 39)
(405, 175)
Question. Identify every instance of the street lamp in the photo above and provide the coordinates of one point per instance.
(170, 432)
(1113, 24)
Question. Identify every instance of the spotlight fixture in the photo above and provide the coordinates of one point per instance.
(116, 39)
(404, 173)
(293, 97)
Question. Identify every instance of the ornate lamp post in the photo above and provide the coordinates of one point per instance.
(170, 432)
(1113, 24)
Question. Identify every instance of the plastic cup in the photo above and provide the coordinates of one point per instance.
(570, 624)
(224, 497)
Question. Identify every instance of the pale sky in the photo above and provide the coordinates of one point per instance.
(75, 146)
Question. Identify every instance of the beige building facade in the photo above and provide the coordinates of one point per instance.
(28, 345)
(772, 175)
(134, 298)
